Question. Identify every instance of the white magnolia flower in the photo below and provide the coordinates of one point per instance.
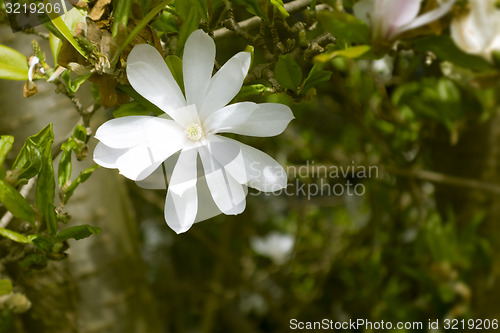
(275, 246)
(390, 18)
(188, 132)
(478, 31)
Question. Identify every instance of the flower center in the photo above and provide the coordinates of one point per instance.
(194, 131)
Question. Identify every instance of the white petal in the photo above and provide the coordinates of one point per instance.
(229, 117)
(133, 131)
(428, 17)
(401, 12)
(185, 116)
(226, 83)
(252, 167)
(149, 75)
(227, 193)
(181, 205)
(363, 9)
(106, 156)
(156, 180)
(197, 67)
(137, 163)
(269, 119)
(138, 145)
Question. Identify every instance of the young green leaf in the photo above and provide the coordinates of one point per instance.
(64, 28)
(45, 187)
(444, 48)
(189, 25)
(183, 7)
(351, 52)
(120, 14)
(15, 202)
(12, 235)
(345, 27)
(288, 73)
(5, 287)
(281, 7)
(41, 242)
(316, 76)
(6, 142)
(84, 175)
(141, 100)
(77, 232)
(72, 85)
(175, 65)
(166, 22)
(13, 65)
(133, 108)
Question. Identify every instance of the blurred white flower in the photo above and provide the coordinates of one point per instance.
(275, 246)
(138, 146)
(478, 31)
(390, 18)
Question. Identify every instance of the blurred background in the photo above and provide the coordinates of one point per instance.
(417, 240)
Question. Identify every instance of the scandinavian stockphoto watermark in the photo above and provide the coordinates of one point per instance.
(311, 180)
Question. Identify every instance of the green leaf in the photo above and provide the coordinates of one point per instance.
(77, 232)
(13, 65)
(166, 22)
(133, 108)
(5, 287)
(45, 187)
(252, 90)
(64, 30)
(12, 235)
(72, 85)
(175, 65)
(28, 162)
(41, 242)
(189, 25)
(120, 14)
(316, 76)
(15, 202)
(351, 52)
(254, 7)
(288, 73)
(138, 28)
(84, 175)
(183, 8)
(345, 27)
(444, 48)
(281, 7)
(141, 100)
(6, 142)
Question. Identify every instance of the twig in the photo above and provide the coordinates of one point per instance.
(253, 22)
(25, 190)
(441, 178)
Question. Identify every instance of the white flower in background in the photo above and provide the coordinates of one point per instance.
(478, 31)
(390, 18)
(138, 146)
(275, 246)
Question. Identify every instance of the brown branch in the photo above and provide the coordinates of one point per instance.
(254, 22)
(440, 178)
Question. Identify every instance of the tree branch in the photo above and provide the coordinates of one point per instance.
(253, 22)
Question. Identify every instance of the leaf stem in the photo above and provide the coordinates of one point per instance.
(138, 28)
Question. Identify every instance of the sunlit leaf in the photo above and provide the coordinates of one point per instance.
(12, 235)
(5, 287)
(77, 232)
(84, 175)
(15, 202)
(13, 65)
